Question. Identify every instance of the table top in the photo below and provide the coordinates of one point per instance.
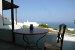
(27, 31)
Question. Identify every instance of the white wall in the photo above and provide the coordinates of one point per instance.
(8, 22)
(28, 23)
(6, 27)
(17, 26)
(5, 34)
(34, 38)
(1, 21)
(10, 26)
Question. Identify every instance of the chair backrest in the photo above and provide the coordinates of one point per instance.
(61, 33)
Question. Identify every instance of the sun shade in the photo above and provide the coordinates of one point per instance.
(7, 5)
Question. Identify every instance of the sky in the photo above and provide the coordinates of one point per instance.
(43, 10)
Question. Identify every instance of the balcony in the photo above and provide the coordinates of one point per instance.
(6, 40)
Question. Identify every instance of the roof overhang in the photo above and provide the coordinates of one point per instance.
(7, 5)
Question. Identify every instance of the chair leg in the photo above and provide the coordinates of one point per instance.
(44, 48)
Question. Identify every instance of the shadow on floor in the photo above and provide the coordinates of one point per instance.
(4, 45)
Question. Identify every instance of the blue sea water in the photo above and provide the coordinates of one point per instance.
(56, 24)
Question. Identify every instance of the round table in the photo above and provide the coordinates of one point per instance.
(35, 31)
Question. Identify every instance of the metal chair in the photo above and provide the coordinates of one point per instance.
(56, 45)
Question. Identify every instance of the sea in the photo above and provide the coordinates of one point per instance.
(56, 24)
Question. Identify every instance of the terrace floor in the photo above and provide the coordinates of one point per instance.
(4, 45)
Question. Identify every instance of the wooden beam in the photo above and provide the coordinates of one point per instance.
(7, 5)
(16, 16)
(12, 18)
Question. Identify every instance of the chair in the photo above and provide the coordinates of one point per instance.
(56, 45)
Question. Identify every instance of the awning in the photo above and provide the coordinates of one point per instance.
(7, 5)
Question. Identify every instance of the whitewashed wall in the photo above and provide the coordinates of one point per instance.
(1, 21)
(6, 27)
(8, 22)
(10, 27)
(6, 34)
(17, 26)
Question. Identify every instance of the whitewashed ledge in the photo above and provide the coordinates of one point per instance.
(51, 34)
(51, 29)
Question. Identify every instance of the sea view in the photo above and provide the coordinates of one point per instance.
(37, 24)
(56, 24)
